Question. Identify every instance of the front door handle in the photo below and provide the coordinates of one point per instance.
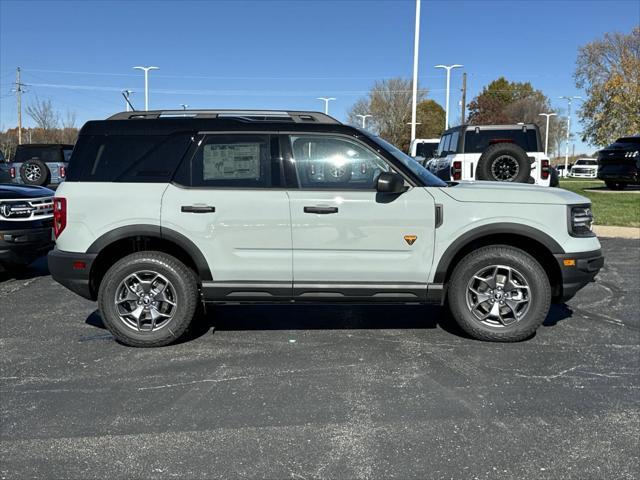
(197, 209)
(321, 210)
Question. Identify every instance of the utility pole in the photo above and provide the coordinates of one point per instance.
(416, 46)
(19, 91)
(566, 150)
(364, 119)
(464, 96)
(146, 83)
(448, 68)
(546, 135)
(326, 103)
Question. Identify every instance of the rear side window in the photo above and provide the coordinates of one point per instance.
(477, 142)
(127, 158)
(232, 161)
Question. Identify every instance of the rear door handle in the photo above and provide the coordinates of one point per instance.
(321, 210)
(197, 209)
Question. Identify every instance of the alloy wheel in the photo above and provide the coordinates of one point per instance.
(498, 296)
(146, 301)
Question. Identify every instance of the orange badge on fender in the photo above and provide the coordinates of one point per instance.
(410, 239)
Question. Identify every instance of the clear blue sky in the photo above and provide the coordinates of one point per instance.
(284, 54)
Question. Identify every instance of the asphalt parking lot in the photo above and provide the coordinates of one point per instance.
(322, 392)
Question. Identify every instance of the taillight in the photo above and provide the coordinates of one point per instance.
(59, 215)
(544, 172)
(63, 172)
(456, 171)
(12, 172)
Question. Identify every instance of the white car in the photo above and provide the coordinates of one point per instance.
(498, 153)
(584, 168)
(423, 149)
(162, 211)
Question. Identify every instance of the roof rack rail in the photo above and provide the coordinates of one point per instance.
(247, 115)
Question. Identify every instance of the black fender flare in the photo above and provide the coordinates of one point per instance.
(154, 231)
(487, 230)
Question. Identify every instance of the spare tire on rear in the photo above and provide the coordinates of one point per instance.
(504, 162)
(35, 172)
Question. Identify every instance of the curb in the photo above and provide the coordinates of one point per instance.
(607, 231)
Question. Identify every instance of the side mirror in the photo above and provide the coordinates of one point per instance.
(389, 182)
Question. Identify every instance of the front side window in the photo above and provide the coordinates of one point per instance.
(453, 143)
(324, 161)
(232, 160)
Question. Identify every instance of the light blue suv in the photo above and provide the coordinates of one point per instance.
(164, 210)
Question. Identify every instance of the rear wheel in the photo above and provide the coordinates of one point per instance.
(499, 293)
(148, 299)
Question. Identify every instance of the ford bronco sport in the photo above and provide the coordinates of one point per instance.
(163, 210)
(497, 153)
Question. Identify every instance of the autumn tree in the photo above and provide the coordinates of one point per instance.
(608, 70)
(430, 115)
(389, 103)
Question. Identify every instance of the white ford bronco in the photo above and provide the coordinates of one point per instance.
(163, 210)
(497, 153)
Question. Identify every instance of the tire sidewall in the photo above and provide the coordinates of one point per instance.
(44, 176)
(535, 276)
(484, 171)
(185, 287)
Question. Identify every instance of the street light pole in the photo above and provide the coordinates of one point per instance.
(364, 119)
(566, 150)
(546, 135)
(416, 45)
(448, 68)
(146, 84)
(326, 103)
(184, 106)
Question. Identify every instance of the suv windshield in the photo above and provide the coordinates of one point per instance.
(426, 150)
(586, 162)
(425, 175)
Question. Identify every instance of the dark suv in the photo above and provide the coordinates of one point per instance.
(619, 163)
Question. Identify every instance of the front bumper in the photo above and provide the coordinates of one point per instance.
(22, 246)
(577, 270)
(73, 270)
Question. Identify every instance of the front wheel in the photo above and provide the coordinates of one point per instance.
(148, 299)
(499, 293)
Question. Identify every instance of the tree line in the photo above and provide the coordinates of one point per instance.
(50, 127)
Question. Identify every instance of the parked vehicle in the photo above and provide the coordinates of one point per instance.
(423, 149)
(162, 210)
(5, 173)
(555, 178)
(619, 163)
(584, 168)
(501, 153)
(26, 218)
(40, 164)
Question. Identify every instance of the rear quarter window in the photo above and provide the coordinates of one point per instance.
(127, 158)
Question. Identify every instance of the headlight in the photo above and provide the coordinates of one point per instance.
(580, 220)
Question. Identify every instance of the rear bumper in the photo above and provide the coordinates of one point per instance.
(574, 277)
(66, 269)
(23, 246)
